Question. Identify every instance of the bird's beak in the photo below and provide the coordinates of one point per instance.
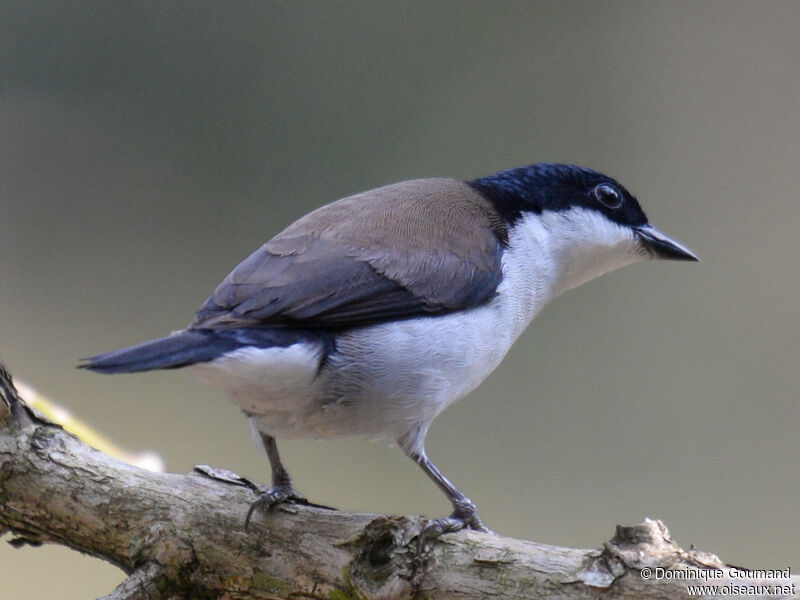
(660, 246)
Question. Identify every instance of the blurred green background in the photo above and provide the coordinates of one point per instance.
(147, 147)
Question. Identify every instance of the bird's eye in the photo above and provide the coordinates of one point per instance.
(608, 195)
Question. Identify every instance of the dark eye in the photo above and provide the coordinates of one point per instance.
(608, 195)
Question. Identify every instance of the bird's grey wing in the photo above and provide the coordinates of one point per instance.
(419, 247)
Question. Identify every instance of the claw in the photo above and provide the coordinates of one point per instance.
(465, 516)
(275, 495)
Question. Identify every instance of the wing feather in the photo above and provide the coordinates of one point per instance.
(419, 247)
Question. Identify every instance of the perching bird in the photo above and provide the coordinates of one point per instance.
(369, 316)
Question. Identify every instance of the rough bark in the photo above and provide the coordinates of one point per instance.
(182, 536)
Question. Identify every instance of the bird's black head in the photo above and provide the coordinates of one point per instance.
(558, 187)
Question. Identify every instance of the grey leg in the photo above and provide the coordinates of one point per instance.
(281, 489)
(280, 476)
(465, 514)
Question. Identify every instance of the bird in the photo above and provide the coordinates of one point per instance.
(372, 314)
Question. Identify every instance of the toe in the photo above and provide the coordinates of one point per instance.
(465, 516)
(269, 498)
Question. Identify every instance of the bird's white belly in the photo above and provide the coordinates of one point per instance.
(384, 380)
(380, 381)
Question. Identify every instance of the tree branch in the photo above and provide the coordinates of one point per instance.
(182, 536)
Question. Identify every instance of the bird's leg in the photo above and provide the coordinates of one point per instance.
(281, 489)
(465, 514)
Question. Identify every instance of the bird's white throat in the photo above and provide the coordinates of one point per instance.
(577, 245)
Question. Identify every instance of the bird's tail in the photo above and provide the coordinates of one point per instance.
(177, 350)
(193, 346)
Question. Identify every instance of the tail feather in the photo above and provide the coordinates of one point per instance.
(193, 346)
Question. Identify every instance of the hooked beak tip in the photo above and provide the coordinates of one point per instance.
(662, 246)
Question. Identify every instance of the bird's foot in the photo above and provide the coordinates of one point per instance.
(273, 496)
(465, 516)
